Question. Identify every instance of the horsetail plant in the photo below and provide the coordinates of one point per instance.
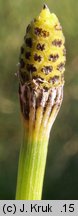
(41, 81)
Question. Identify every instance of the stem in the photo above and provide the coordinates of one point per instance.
(32, 163)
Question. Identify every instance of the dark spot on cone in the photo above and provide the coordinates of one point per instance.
(31, 68)
(28, 42)
(53, 57)
(57, 43)
(27, 55)
(40, 47)
(37, 57)
(47, 69)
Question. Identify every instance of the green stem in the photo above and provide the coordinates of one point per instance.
(31, 170)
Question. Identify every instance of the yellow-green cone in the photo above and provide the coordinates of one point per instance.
(42, 56)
